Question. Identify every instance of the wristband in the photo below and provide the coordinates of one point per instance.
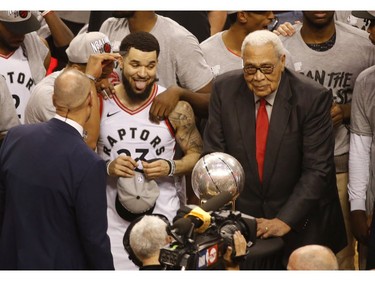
(107, 164)
(92, 78)
(172, 167)
(239, 259)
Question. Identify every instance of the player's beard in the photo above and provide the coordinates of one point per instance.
(134, 96)
(9, 47)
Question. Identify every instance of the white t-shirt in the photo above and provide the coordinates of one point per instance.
(218, 56)
(181, 59)
(40, 107)
(336, 68)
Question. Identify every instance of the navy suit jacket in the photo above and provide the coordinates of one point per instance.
(299, 182)
(53, 209)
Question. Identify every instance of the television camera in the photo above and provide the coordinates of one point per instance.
(201, 238)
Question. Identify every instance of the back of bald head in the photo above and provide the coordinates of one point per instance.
(71, 89)
(312, 257)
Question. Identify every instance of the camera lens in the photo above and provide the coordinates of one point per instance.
(227, 231)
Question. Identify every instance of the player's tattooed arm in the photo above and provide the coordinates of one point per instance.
(182, 119)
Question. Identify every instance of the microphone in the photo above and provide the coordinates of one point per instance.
(182, 225)
(199, 216)
(215, 203)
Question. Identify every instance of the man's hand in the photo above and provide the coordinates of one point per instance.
(105, 88)
(286, 29)
(122, 166)
(240, 247)
(339, 113)
(164, 104)
(271, 228)
(359, 226)
(98, 62)
(156, 169)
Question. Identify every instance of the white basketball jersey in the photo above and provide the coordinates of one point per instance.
(130, 132)
(16, 70)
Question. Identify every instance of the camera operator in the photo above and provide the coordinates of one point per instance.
(146, 239)
(149, 235)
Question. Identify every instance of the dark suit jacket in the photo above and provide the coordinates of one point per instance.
(299, 184)
(53, 209)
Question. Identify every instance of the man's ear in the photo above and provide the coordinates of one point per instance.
(121, 62)
(168, 239)
(54, 100)
(91, 96)
(242, 17)
(78, 67)
(282, 60)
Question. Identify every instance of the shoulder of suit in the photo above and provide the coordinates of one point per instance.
(233, 75)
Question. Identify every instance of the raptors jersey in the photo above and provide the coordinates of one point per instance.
(130, 132)
(16, 70)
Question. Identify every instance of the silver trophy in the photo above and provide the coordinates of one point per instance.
(217, 172)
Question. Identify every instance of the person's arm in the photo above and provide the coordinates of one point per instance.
(164, 103)
(217, 20)
(187, 136)
(340, 113)
(361, 135)
(286, 29)
(47, 59)
(359, 163)
(60, 32)
(189, 139)
(94, 69)
(8, 113)
(193, 75)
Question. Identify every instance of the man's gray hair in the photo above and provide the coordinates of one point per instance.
(261, 38)
(148, 236)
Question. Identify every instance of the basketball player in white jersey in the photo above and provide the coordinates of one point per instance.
(129, 140)
(24, 57)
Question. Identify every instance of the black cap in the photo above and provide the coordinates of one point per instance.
(19, 22)
(370, 15)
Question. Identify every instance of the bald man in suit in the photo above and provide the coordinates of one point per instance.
(53, 208)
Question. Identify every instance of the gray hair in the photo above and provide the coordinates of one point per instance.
(261, 38)
(148, 236)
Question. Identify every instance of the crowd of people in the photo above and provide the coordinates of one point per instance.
(103, 117)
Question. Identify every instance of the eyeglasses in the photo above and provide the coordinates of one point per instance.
(265, 69)
(273, 24)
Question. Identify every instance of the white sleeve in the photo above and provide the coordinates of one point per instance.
(359, 162)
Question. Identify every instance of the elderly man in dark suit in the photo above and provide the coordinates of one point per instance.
(290, 184)
(53, 208)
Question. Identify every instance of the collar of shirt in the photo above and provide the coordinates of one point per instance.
(269, 99)
(72, 123)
